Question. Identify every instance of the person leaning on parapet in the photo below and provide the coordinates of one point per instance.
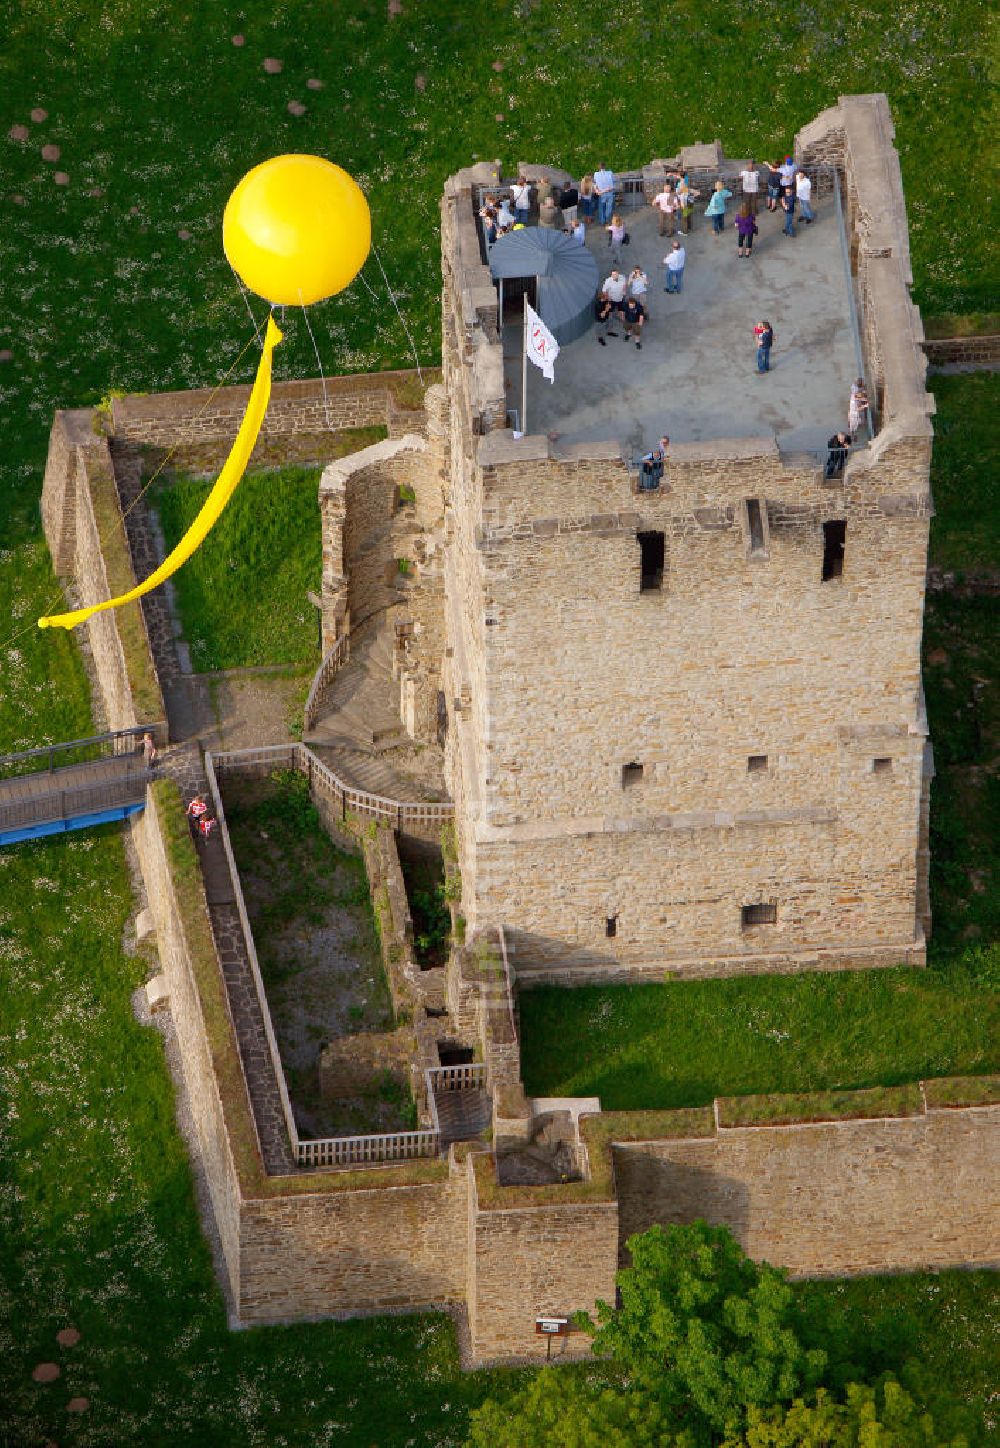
(857, 407)
(773, 186)
(750, 181)
(667, 205)
(674, 264)
(837, 456)
(521, 196)
(746, 228)
(568, 200)
(604, 185)
(763, 334)
(653, 464)
(588, 200)
(633, 315)
(603, 313)
(716, 207)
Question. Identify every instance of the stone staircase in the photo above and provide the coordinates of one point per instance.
(463, 1115)
(359, 733)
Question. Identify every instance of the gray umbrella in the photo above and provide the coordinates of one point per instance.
(566, 271)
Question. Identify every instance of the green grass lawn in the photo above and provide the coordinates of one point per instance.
(266, 552)
(683, 1043)
(965, 474)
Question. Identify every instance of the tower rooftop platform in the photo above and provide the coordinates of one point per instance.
(695, 377)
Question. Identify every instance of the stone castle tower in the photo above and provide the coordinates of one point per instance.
(686, 729)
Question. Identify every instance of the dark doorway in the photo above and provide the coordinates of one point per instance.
(652, 552)
(834, 542)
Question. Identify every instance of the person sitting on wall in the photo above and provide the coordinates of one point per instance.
(651, 472)
(837, 456)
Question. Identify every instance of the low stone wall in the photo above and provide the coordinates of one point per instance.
(175, 951)
(81, 515)
(368, 399)
(963, 351)
(830, 1198)
(387, 1246)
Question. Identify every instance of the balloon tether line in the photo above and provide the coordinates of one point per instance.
(319, 364)
(102, 539)
(222, 490)
(399, 314)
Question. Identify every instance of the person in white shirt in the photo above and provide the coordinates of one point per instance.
(614, 288)
(667, 205)
(579, 233)
(674, 263)
(803, 194)
(521, 196)
(604, 185)
(750, 181)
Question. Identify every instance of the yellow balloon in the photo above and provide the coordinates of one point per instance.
(297, 229)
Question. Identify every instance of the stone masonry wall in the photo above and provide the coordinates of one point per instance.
(831, 1198)
(528, 1261)
(308, 1255)
(78, 458)
(196, 1062)
(633, 766)
(170, 419)
(736, 656)
(983, 351)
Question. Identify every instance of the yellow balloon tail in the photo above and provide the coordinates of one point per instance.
(225, 485)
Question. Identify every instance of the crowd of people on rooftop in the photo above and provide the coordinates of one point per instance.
(623, 297)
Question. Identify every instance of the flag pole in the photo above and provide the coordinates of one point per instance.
(524, 370)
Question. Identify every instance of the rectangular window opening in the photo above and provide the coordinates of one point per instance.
(755, 525)
(882, 766)
(756, 764)
(611, 926)
(834, 541)
(652, 551)
(631, 775)
(766, 913)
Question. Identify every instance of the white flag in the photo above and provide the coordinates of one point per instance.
(541, 346)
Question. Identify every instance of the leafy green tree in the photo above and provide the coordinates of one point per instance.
(568, 1409)
(706, 1331)
(872, 1417)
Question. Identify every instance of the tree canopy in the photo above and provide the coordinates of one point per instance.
(704, 1350)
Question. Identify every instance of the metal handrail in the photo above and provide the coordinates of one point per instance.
(68, 803)
(94, 740)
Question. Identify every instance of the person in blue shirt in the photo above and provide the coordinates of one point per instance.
(716, 207)
(604, 185)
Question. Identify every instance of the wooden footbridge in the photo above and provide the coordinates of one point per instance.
(72, 786)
